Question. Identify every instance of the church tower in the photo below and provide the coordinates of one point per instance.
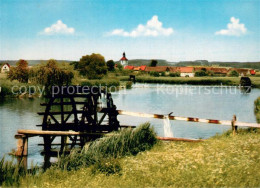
(124, 60)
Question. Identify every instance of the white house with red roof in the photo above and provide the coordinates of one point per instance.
(124, 60)
(5, 68)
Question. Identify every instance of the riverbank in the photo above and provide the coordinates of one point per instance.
(228, 81)
(225, 160)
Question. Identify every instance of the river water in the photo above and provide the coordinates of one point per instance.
(190, 101)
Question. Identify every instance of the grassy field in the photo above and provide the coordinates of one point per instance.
(3, 75)
(193, 80)
(226, 160)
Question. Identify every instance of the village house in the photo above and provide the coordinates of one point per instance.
(241, 72)
(185, 71)
(5, 68)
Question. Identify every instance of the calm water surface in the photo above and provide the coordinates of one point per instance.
(192, 101)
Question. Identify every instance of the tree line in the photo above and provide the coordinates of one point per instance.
(53, 73)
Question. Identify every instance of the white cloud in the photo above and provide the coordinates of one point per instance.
(153, 28)
(233, 29)
(58, 28)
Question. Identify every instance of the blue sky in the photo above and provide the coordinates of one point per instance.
(174, 30)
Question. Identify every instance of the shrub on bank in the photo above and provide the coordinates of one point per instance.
(257, 109)
(175, 74)
(155, 74)
(122, 143)
(233, 73)
(129, 84)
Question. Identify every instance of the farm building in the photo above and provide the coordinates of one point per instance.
(5, 68)
(185, 71)
(241, 72)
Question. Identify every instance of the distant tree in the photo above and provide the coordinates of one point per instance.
(153, 63)
(75, 64)
(110, 65)
(175, 74)
(20, 72)
(203, 72)
(233, 73)
(119, 66)
(154, 73)
(51, 74)
(93, 66)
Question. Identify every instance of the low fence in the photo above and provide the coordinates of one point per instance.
(234, 123)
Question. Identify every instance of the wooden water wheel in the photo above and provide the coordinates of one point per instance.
(78, 108)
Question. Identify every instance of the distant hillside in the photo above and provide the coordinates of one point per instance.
(138, 62)
(30, 62)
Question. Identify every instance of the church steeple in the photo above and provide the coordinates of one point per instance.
(124, 60)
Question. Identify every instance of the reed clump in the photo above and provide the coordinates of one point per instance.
(11, 172)
(120, 144)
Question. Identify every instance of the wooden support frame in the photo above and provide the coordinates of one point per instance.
(22, 145)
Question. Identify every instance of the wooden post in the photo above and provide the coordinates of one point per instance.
(22, 145)
(234, 127)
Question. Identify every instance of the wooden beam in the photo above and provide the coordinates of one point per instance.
(191, 119)
(54, 133)
(22, 145)
(179, 139)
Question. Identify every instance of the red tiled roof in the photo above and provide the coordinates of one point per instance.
(252, 72)
(157, 69)
(7, 64)
(142, 67)
(240, 71)
(129, 67)
(184, 69)
(219, 70)
(124, 59)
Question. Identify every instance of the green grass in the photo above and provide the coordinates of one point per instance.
(11, 173)
(3, 75)
(109, 82)
(222, 161)
(15, 88)
(101, 156)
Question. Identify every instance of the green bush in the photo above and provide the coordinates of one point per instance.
(155, 74)
(233, 73)
(175, 74)
(201, 73)
(129, 84)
